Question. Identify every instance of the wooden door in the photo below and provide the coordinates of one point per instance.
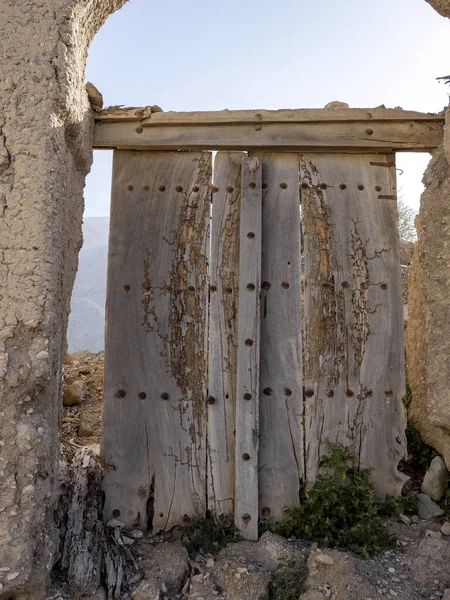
(215, 399)
(154, 418)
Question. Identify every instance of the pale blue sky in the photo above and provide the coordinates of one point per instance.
(198, 55)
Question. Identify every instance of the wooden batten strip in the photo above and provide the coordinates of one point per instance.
(247, 388)
(150, 118)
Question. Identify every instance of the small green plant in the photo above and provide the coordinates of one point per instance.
(288, 580)
(209, 534)
(341, 510)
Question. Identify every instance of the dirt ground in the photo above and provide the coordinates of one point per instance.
(81, 424)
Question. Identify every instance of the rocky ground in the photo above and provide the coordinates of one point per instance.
(159, 567)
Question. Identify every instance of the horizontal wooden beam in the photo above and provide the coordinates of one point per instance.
(325, 130)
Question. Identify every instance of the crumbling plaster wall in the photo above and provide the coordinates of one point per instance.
(45, 154)
(427, 336)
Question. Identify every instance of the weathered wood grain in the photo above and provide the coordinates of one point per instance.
(224, 288)
(354, 371)
(296, 115)
(154, 420)
(247, 389)
(281, 394)
(327, 136)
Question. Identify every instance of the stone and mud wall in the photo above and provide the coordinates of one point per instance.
(45, 153)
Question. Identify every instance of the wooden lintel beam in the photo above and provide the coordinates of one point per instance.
(351, 136)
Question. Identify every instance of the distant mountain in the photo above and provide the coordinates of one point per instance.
(87, 317)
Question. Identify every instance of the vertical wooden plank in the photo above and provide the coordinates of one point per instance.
(154, 430)
(354, 357)
(247, 394)
(224, 286)
(281, 393)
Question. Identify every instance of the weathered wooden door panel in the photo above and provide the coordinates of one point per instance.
(281, 393)
(354, 371)
(248, 352)
(154, 425)
(224, 290)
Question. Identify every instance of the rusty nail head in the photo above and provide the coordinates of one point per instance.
(250, 286)
(130, 188)
(126, 288)
(246, 518)
(360, 187)
(139, 130)
(285, 285)
(258, 127)
(369, 131)
(164, 396)
(248, 342)
(258, 117)
(343, 186)
(388, 393)
(213, 288)
(246, 456)
(230, 188)
(266, 285)
(214, 188)
(179, 188)
(345, 285)
(161, 188)
(191, 288)
(266, 511)
(330, 393)
(142, 395)
(287, 392)
(247, 396)
(309, 393)
(228, 290)
(250, 235)
(283, 185)
(267, 391)
(252, 185)
(264, 186)
(211, 400)
(195, 188)
(349, 393)
(145, 188)
(323, 186)
(121, 394)
(378, 188)
(384, 285)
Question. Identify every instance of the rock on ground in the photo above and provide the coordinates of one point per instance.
(435, 480)
(164, 567)
(74, 393)
(427, 508)
(332, 574)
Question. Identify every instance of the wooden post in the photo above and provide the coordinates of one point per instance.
(224, 285)
(281, 410)
(247, 396)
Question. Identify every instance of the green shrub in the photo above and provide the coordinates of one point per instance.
(288, 581)
(209, 534)
(341, 510)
